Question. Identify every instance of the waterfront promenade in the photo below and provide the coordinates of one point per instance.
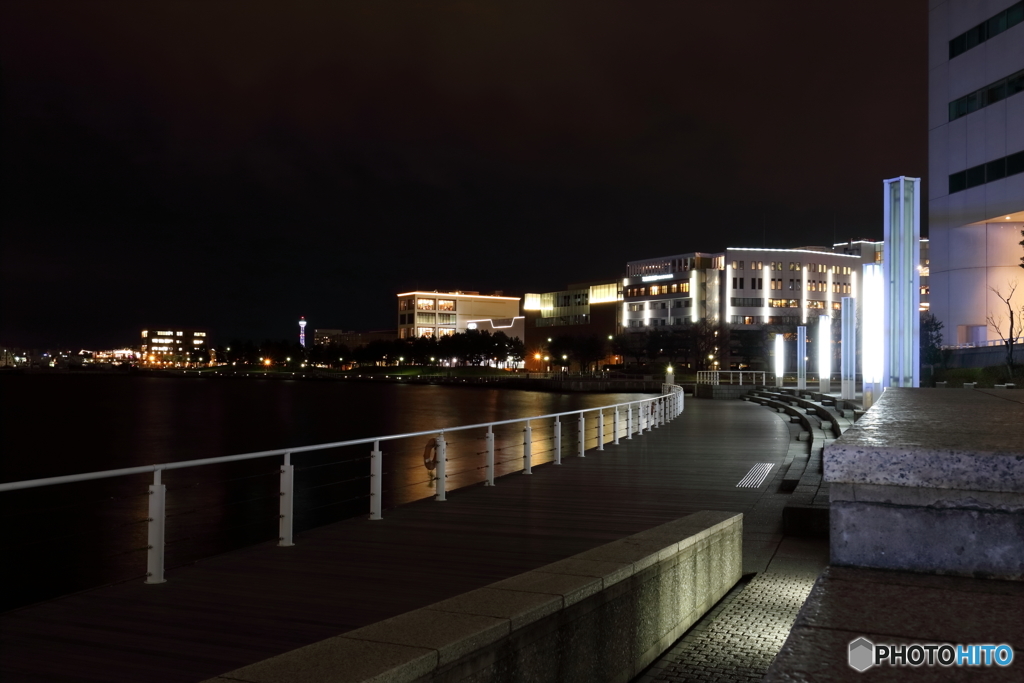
(245, 606)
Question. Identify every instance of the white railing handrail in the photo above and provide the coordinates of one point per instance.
(660, 409)
(181, 464)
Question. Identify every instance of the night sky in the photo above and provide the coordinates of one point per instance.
(234, 165)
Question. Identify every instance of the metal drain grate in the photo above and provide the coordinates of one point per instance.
(755, 477)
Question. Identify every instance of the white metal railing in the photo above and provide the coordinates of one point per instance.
(640, 416)
(984, 344)
(716, 376)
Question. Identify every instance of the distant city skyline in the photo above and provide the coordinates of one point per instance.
(325, 159)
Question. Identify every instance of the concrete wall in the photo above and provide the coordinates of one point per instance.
(602, 615)
(726, 391)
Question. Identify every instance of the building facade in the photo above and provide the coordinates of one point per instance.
(581, 310)
(175, 346)
(975, 163)
(740, 286)
(352, 340)
(436, 314)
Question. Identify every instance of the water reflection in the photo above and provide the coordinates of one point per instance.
(78, 535)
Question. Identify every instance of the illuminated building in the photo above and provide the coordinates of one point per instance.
(302, 331)
(581, 310)
(975, 162)
(174, 346)
(436, 314)
(740, 286)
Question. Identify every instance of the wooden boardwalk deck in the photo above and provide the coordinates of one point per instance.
(248, 605)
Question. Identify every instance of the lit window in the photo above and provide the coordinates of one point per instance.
(446, 304)
(425, 305)
(198, 334)
(445, 332)
(165, 334)
(424, 331)
(197, 341)
(180, 334)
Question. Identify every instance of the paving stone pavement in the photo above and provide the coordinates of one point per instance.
(738, 640)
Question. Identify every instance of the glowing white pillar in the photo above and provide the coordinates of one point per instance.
(803, 296)
(801, 358)
(872, 315)
(849, 349)
(902, 284)
(824, 353)
(780, 359)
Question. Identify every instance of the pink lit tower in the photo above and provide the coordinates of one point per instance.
(302, 331)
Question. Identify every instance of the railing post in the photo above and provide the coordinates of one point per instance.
(155, 553)
(376, 481)
(527, 449)
(600, 430)
(490, 456)
(629, 421)
(442, 462)
(285, 509)
(615, 426)
(558, 441)
(583, 436)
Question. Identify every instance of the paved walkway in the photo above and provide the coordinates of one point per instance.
(737, 641)
(242, 607)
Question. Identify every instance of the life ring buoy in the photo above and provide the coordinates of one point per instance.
(430, 455)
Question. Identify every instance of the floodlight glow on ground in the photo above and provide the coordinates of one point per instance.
(824, 346)
(872, 317)
(780, 359)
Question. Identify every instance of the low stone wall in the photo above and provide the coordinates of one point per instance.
(931, 481)
(602, 615)
(724, 391)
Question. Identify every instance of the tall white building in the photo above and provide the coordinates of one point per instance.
(975, 161)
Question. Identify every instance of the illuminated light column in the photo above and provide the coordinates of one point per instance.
(764, 292)
(901, 367)
(801, 358)
(849, 349)
(728, 294)
(302, 332)
(693, 296)
(824, 353)
(780, 359)
(872, 314)
(803, 297)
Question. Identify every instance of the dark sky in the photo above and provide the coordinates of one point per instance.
(233, 165)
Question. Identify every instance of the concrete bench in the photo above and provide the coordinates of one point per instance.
(970, 385)
(1008, 385)
(603, 615)
(941, 385)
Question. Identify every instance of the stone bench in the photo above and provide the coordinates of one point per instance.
(603, 615)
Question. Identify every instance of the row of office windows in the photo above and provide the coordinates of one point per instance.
(430, 332)
(428, 318)
(559, 320)
(754, 265)
(1008, 18)
(990, 94)
(427, 304)
(986, 173)
(660, 305)
(747, 301)
(795, 303)
(655, 290)
(755, 283)
(813, 286)
(657, 322)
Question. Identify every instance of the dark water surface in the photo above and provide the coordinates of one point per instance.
(74, 536)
